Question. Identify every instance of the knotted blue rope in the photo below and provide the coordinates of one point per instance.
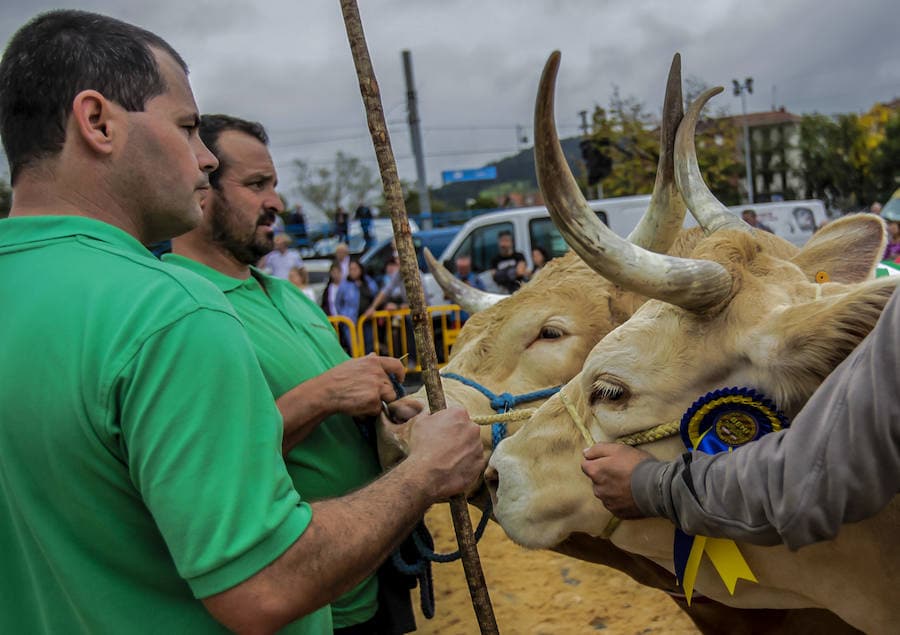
(504, 402)
(425, 547)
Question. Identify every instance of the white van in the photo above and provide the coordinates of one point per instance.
(530, 227)
(795, 221)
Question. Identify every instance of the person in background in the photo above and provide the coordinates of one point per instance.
(398, 294)
(364, 216)
(295, 216)
(539, 257)
(283, 258)
(464, 272)
(299, 277)
(342, 225)
(296, 223)
(342, 258)
(354, 296)
(875, 208)
(329, 294)
(749, 217)
(509, 267)
(892, 218)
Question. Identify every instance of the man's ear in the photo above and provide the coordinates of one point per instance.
(94, 121)
(846, 250)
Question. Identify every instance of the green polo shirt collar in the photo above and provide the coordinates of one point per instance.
(20, 230)
(223, 282)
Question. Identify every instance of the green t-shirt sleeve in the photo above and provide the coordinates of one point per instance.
(202, 439)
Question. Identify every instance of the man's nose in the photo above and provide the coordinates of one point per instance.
(273, 203)
(206, 160)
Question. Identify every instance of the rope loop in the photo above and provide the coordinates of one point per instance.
(504, 402)
(421, 538)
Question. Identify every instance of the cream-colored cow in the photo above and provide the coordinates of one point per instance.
(737, 313)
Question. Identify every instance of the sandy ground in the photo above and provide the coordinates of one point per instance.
(540, 592)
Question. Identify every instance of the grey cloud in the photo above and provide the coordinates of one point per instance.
(477, 64)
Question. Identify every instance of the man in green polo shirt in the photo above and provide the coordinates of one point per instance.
(141, 448)
(318, 389)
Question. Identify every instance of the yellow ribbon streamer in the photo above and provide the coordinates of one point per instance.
(726, 559)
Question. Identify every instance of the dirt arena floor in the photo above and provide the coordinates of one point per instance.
(540, 592)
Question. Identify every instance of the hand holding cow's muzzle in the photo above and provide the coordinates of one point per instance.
(609, 466)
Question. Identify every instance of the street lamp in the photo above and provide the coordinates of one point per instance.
(741, 90)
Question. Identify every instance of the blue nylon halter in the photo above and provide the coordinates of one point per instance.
(503, 402)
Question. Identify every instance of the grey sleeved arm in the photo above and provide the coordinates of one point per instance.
(839, 462)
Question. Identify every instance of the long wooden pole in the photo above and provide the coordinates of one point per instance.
(409, 269)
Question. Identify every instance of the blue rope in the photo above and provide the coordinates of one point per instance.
(420, 569)
(504, 402)
(420, 534)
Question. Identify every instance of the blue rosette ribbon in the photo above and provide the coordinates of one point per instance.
(719, 422)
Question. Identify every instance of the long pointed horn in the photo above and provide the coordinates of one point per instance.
(470, 299)
(692, 284)
(711, 215)
(660, 225)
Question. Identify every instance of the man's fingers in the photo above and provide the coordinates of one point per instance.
(601, 449)
(392, 365)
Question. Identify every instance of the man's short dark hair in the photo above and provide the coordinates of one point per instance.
(503, 233)
(211, 128)
(56, 56)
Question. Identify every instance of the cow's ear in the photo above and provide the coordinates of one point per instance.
(845, 250)
(795, 349)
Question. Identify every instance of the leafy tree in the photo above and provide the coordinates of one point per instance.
(886, 160)
(5, 198)
(851, 160)
(631, 136)
(833, 153)
(347, 181)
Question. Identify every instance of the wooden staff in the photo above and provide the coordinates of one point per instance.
(409, 269)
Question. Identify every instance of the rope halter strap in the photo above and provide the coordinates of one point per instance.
(502, 404)
(656, 433)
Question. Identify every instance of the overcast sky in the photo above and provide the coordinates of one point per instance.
(476, 63)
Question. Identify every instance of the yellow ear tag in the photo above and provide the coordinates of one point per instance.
(822, 277)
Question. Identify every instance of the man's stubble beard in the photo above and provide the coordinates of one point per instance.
(246, 249)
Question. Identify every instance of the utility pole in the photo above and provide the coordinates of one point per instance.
(584, 133)
(416, 135)
(741, 90)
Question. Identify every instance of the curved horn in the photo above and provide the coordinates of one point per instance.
(692, 284)
(711, 215)
(660, 225)
(470, 299)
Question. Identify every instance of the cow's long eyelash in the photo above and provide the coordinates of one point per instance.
(604, 391)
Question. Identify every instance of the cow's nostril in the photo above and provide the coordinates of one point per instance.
(492, 478)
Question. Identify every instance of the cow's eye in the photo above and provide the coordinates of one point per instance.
(607, 392)
(551, 333)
